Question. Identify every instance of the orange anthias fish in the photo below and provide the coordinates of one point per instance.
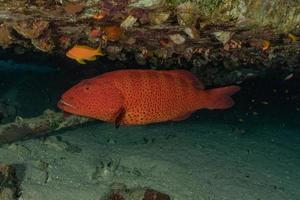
(80, 53)
(133, 97)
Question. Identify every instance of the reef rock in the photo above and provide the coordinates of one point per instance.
(8, 183)
(121, 192)
(193, 35)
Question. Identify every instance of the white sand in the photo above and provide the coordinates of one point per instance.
(190, 160)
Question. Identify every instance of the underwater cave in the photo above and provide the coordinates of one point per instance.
(149, 99)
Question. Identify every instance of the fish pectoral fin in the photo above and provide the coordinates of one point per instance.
(93, 58)
(182, 117)
(81, 61)
(119, 117)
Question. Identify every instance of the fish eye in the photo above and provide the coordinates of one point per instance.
(87, 88)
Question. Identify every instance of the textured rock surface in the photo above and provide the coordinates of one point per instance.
(37, 126)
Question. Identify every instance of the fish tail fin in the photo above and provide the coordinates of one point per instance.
(99, 51)
(220, 98)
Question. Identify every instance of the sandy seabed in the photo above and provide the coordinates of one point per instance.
(190, 160)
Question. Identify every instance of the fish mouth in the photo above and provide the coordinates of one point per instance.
(62, 104)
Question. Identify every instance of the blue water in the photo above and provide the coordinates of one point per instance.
(251, 151)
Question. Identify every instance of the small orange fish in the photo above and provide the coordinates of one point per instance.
(132, 97)
(80, 53)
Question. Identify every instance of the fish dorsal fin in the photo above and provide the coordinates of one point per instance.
(198, 84)
(179, 73)
(119, 117)
(85, 47)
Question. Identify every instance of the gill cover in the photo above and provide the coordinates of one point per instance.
(94, 98)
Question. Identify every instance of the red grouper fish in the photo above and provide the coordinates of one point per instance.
(132, 97)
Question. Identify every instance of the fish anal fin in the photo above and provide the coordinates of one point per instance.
(119, 117)
(93, 58)
(80, 61)
(182, 117)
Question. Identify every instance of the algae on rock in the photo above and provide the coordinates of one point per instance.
(283, 15)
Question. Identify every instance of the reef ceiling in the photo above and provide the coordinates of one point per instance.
(222, 41)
